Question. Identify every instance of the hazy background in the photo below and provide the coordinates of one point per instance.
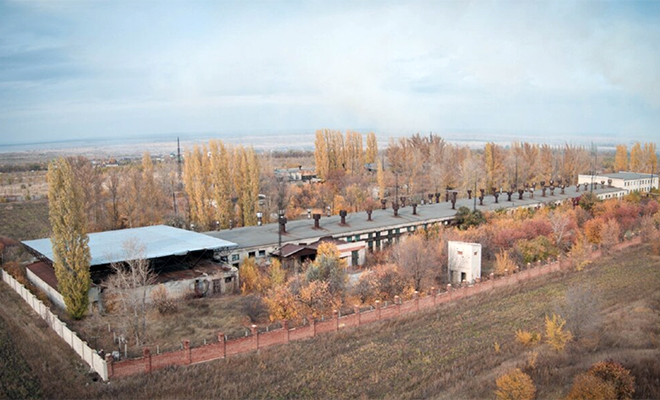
(147, 70)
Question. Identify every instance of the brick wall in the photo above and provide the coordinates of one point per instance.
(224, 348)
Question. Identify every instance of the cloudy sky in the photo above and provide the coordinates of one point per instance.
(105, 69)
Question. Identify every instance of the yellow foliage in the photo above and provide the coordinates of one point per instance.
(555, 333)
(276, 274)
(516, 385)
(532, 357)
(282, 304)
(590, 387)
(250, 277)
(527, 338)
(503, 262)
(497, 347)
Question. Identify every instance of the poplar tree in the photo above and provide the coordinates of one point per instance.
(621, 158)
(221, 182)
(636, 158)
(71, 254)
(321, 154)
(650, 158)
(372, 148)
(380, 177)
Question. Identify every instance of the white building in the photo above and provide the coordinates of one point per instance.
(464, 262)
(628, 181)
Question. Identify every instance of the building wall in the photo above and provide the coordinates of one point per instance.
(464, 258)
(629, 185)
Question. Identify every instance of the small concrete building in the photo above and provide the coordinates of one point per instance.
(464, 262)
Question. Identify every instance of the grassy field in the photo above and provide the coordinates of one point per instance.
(196, 320)
(444, 353)
(25, 220)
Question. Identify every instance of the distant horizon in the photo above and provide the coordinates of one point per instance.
(472, 138)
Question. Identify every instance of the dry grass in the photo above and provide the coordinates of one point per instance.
(34, 361)
(25, 220)
(443, 353)
(196, 320)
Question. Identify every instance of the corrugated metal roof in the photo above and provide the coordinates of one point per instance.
(158, 240)
(625, 175)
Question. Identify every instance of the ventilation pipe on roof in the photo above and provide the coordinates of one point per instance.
(481, 200)
(395, 207)
(469, 194)
(497, 195)
(562, 188)
(453, 200)
(283, 222)
(414, 206)
(403, 201)
(543, 190)
(317, 218)
(383, 204)
(369, 215)
(609, 182)
(437, 198)
(342, 215)
(260, 220)
(520, 194)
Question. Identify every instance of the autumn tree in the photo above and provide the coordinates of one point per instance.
(621, 158)
(151, 201)
(610, 233)
(114, 198)
(515, 385)
(503, 263)
(636, 158)
(417, 259)
(89, 179)
(650, 158)
(589, 387)
(614, 373)
(127, 288)
(220, 180)
(380, 177)
(247, 186)
(581, 310)
(329, 267)
(556, 335)
(494, 163)
(372, 148)
(71, 254)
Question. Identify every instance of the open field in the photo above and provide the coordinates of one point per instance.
(443, 353)
(24, 220)
(196, 320)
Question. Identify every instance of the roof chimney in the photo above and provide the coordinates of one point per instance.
(437, 198)
(509, 193)
(544, 189)
(369, 215)
(520, 194)
(403, 201)
(342, 214)
(414, 206)
(481, 200)
(453, 200)
(395, 207)
(562, 188)
(383, 203)
(469, 194)
(283, 222)
(316, 217)
(496, 194)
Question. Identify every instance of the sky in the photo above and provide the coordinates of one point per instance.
(72, 70)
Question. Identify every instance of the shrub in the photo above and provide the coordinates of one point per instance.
(162, 301)
(503, 263)
(540, 248)
(614, 373)
(555, 333)
(590, 387)
(527, 338)
(516, 385)
(610, 234)
(254, 307)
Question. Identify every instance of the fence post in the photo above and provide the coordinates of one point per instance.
(449, 290)
(378, 308)
(335, 316)
(312, 323)
(146, 354)
(223, 343)
(186, 348)
(356, 308)
(416, 299)
(492, 280)
(397, 302)
(285, 326)
(255, 336)
(434, 294)
(110, 362)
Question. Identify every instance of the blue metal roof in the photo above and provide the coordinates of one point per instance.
(158, 241)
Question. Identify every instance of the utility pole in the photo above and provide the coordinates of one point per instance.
(593, 165)
(178, 159)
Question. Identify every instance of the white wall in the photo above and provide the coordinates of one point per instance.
(86, 353)
(464, 258)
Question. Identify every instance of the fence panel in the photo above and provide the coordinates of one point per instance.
(85, 352)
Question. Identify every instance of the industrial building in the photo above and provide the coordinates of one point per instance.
(376, 230)
(183, 261)
(628, 181)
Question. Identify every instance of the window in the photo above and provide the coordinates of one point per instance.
(460, 252)
(251, 254)
(235, 257)
(229, 279)
(262, 253)
(235, 265)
